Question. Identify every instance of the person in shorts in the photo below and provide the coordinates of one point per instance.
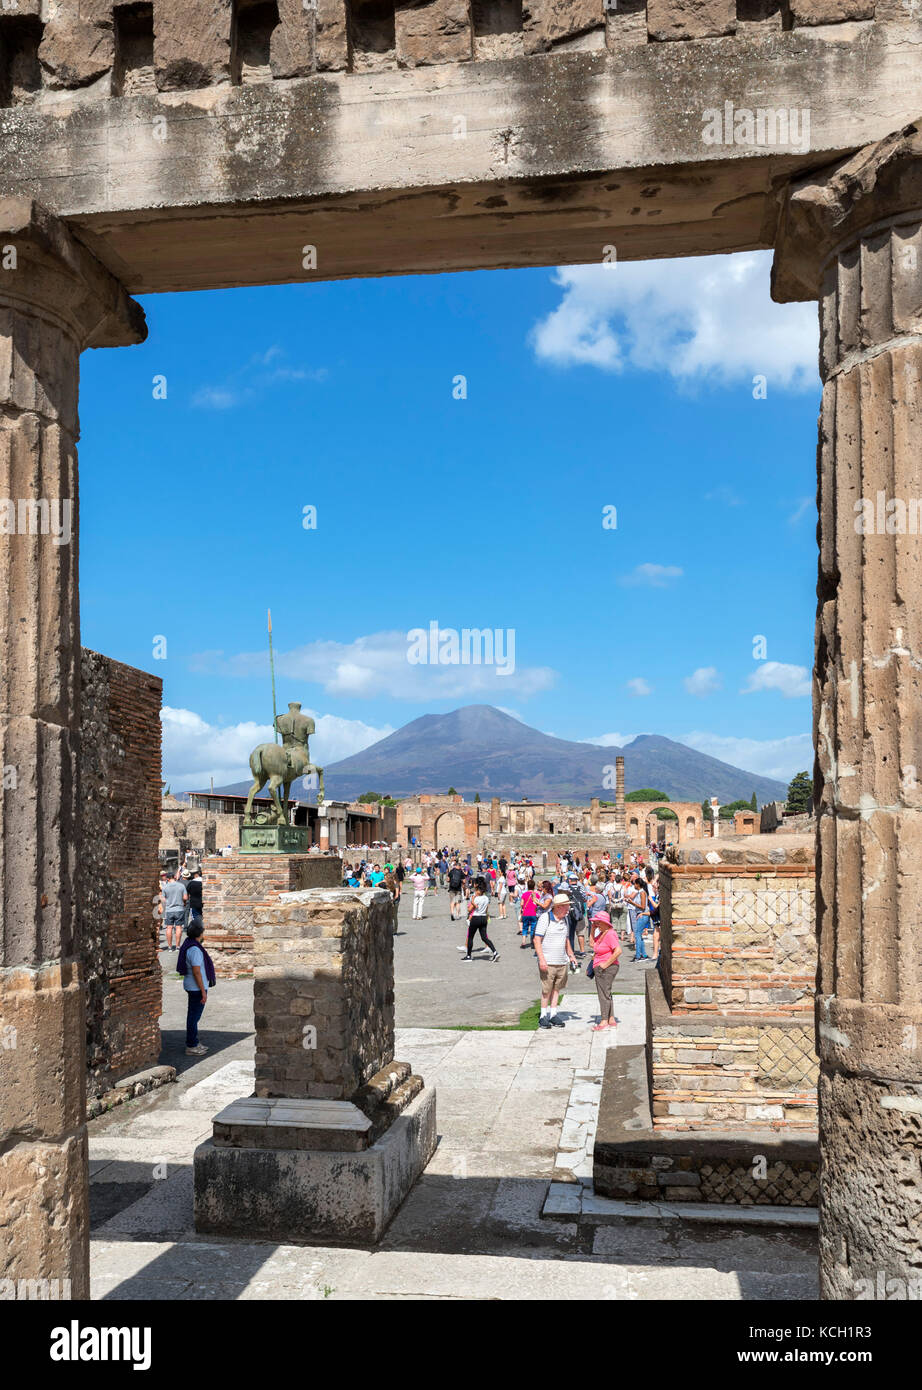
(455, 890)
(555, 956)
(174, 899)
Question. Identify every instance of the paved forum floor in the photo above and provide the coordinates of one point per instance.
(472, 1226)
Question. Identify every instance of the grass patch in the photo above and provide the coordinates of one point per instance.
(528, 1022)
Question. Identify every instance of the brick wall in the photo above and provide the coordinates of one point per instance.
(741, 938)
(730, 1015)
(236, 885)
(120, 831)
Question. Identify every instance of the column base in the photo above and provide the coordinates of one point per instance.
(312, 1194)
(870, 1187)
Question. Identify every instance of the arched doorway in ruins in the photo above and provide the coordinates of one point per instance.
(449, 831)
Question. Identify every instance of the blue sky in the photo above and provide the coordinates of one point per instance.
(628, 386)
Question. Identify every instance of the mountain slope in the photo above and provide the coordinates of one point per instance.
(480, 749)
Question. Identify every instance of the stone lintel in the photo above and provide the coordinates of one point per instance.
(837, 204)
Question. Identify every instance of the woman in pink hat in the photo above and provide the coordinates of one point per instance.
(606, 952)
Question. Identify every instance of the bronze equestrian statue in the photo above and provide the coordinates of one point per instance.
(281, 766)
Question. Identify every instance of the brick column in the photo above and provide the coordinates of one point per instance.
(55, 299)
(853, 238)
(620, 817)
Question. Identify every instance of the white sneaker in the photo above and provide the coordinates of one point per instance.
(196, 1051)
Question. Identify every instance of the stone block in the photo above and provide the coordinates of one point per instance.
(192, 43)
(312, 1194)
(803, 12)
(331, 36)
(78, 44)
(698, 995)
(257, 1123)
(42, 1052)
(547, 23)
(435, 31)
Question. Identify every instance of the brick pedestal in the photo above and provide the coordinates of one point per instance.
(337, 1131)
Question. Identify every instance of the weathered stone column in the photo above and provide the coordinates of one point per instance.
(853, 238)
(55, 299)
(620, 817)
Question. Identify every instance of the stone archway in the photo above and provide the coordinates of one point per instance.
(448, 831)
(849, 236)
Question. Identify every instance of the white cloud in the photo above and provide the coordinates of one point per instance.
(703, 682)
(377, 665)
(804, 506)
(772, 757)
(655, 576)
(638, 686)
(789, 681)
(703, 318)
(251, 381)
(195, 751)
(610, 740)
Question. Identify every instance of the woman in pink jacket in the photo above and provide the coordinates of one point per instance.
(606, 952)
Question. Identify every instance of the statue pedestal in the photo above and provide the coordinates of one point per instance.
(275, 839)
(337, 1131)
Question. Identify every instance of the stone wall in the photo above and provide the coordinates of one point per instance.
(176, 45)
(324, 992)
(235, 885)
(553, 844)
(120, 828)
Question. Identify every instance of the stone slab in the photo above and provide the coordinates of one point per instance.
(258, 1123)
(313, 1194)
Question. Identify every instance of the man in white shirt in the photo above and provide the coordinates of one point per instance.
(553, 949)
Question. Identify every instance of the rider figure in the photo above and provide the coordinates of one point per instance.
(295, 727)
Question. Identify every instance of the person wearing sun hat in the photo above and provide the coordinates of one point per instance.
(553, 949)
(606, 953)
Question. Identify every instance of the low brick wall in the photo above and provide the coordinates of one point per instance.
(729, 1072)
(236, 884)
(739, 938)
(754, 1166)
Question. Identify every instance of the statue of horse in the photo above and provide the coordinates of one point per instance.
(280, 766)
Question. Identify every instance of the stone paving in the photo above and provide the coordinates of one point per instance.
(516, 1114)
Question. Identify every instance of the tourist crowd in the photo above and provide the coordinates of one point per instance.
(587, 906)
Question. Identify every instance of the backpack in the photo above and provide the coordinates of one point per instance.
(183, 969)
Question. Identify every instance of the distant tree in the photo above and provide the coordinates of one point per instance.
(800, 793)
(664, 813)
(646, 794)
(753, 805)
(476, 798)
(706, 811)
(727, 812)
(451, 792)
(368, 797)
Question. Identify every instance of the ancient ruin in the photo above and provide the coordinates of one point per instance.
(204, 144)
